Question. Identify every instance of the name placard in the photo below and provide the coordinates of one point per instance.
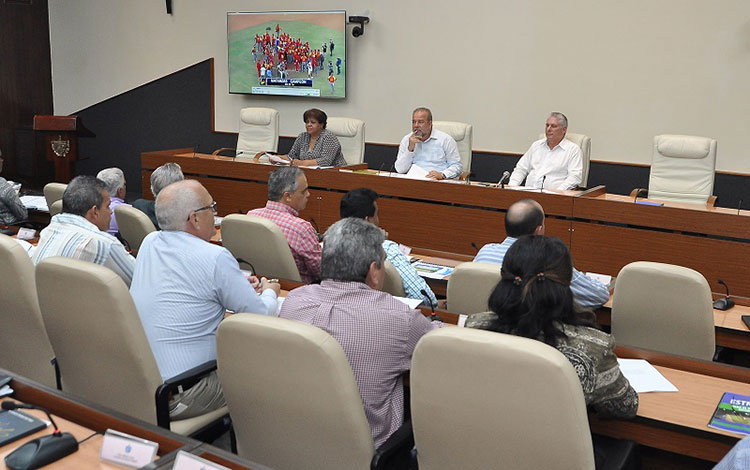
(124, 449)
(188, 461)
(26, 233)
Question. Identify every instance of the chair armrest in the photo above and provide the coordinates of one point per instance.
(396, 450)
(187, 379)
(217, 151)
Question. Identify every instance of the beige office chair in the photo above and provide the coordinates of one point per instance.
(351, 135)
(134, 225)
(24, 346)
(584, 143)
(664, 307)
(258, 132)
(682, 169)
(393, 283)
(292, 395)
(522, 404)
(462, 134)
(101, 347)
(55, 208)
(261, 243)
(53, 192)
(470, 285)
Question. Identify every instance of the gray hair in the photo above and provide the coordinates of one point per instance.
(350, 246)
(561, 119)
(427, 110)
(113, 178)
(175, 203)
(164, 176)
(282, 180)
(82, 194)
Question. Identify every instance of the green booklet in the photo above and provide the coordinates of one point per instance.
(732, 414)
(16, 424)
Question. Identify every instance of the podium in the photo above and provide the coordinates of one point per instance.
(61, 142)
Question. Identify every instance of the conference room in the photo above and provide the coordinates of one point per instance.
(154, 87)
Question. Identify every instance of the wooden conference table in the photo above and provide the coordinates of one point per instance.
(603, 231)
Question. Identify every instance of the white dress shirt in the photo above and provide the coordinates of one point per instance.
(439, 152)
(559, 168)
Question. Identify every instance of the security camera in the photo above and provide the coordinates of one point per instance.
(358, 31)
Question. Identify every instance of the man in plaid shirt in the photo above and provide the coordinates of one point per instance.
(377, 332)
(287, 196)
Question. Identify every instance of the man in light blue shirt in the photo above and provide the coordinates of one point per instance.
(526, 217)
(428, 148)
(182, 287)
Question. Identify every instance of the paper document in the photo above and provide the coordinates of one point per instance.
(412, 303)
(35, 202)
(530, 189)
(432, 271)
(644, 377)
(279, 303)
(276, 160)
(6, 391)
(462, 320)
(603, 278)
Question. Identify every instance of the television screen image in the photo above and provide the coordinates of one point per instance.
(288, 53)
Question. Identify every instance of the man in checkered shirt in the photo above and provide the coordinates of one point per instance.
(287, 196)
(377, 332)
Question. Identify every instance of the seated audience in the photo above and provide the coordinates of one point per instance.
(182, 287)
(377, 332)
(317, 146)
(287, 196)
(361, 203)
(429, 149)
(12, 209)
(526, 217)
(80, 231)
(160, 179)
(115, 181)
(533, 299)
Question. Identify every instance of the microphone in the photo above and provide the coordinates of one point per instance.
(474, 245)
(382, 165)
(739, 207)
(315, 224)
(541, 188)
(252, 268)
(433, 317)
(638, 192)
(726, 303)
(42, 450)
(501, 183)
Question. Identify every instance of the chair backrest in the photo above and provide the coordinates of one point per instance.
(393, 283)
(259, 131)
(682, 169)
(134, 225)
(260, 242)
(292, 395)
(55, 208)
(53, 192)
(470, 285)
(97, 335)
(664, 307)
(24, 346)
(462, 134)
(351, 135)
(584, 143)
(523, 405)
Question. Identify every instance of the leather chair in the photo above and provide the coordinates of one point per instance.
(584, 143)
(55, 208)
(351, 135)
(393, 283)
(462, 134)
(53, 192)
(258, 132)
(24, 346)
(470, 285)
(682, 169)
(134, 225)
(101, 347)
(293, 397)
(261, 243)
(664, 307)
(522, 405)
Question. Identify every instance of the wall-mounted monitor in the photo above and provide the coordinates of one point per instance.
(288, 53)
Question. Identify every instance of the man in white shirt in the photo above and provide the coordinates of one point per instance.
(428, 148)
(553, 162)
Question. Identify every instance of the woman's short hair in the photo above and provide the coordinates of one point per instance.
(316, 114)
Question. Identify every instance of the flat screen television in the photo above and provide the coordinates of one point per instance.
(287, 53)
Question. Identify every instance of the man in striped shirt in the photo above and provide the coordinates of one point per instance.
(526, 217)
(80, 231)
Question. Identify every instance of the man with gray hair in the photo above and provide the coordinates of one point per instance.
(160, 179)
(377, 332)
(553, 162)
(80, 230)
(114, 178)
(182, 287)
(429, 149)
(287, 196)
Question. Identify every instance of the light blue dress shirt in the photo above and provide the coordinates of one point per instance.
(439, 152)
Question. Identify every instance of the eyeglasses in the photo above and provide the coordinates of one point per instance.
(211, 206)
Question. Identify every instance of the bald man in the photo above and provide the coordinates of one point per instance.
(526, 217)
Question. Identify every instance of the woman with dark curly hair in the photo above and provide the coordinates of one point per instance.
(533, 299)
(317, 146)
